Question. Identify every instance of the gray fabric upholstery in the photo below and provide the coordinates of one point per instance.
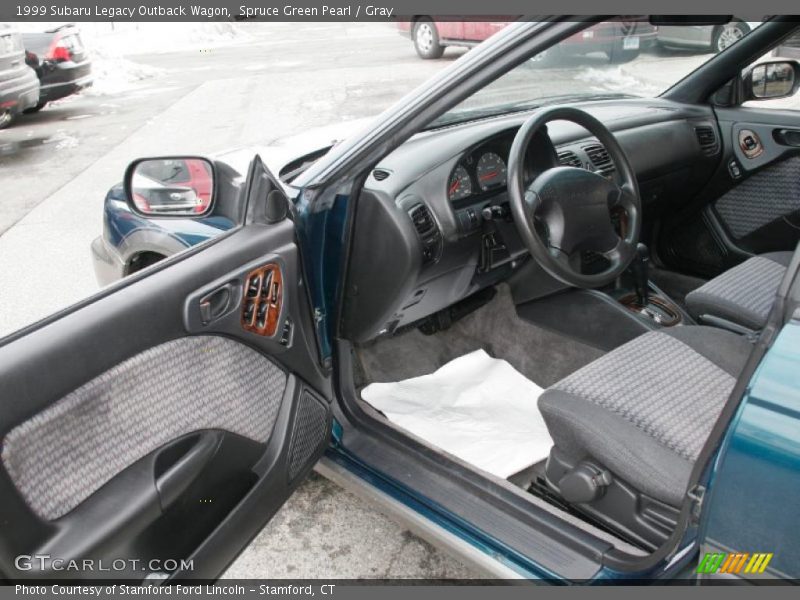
(761, 199)
(743, 294)
(62, 455)
(646, 409)
(728, 351)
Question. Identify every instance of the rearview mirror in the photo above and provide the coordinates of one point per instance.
(173, 186)
(769, 80)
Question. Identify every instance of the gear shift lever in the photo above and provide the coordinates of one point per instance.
(640, 268)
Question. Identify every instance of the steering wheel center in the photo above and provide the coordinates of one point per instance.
(575, 205)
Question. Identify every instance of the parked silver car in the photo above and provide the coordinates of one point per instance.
(19, 86)
(709, 37)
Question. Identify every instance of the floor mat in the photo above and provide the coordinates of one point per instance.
(541, 355)
(475, 407)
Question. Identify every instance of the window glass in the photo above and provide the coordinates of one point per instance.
(612, 59)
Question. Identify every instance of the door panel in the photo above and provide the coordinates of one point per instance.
(759, 211)
(769, 201)
(751, 205)
(149, 423)
(185, 385)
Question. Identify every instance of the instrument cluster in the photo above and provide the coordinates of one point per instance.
(476, 173)
(484, 169)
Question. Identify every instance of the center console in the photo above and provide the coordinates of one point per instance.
(604, 318)
(645, 299)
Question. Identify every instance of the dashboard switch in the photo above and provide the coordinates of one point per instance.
(249, 309)
(495, 211)
(261, 321)
(734, 169)
(286, 333)
(469, 220)
(252, 286)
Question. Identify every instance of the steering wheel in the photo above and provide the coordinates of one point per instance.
(566, 211)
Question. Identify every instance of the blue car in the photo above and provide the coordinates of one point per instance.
(556, 333)
(132, 242)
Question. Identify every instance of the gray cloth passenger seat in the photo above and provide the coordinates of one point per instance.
(742, 295)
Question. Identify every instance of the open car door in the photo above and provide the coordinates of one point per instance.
(155, 428)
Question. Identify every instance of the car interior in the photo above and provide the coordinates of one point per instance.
(633, 311)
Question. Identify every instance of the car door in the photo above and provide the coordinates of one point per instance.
(752, 203)
(761, 210)
(450, 30)
(480, 30)
(745, 531)
(154, 429)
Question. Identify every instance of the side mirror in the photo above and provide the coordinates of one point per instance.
(172, 186)
(769, 80)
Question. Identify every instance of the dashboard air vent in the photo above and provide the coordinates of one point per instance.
(708, 139)
(600, 158)
(380, 174)
(423, 221)
(568, 158)
(428, 233)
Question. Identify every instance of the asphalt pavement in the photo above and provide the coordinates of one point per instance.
(325, 532)
(56, 166)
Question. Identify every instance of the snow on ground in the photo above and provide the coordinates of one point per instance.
(648, 76)
(62, 140)
(618, 80)
(127, 39)
(110, 45)
(115, 74)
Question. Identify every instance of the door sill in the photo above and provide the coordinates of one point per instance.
(482, 563)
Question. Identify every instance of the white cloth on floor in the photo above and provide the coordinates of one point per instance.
(478, 408)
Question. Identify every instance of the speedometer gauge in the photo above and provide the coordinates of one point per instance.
(460, 185)
(491, 171)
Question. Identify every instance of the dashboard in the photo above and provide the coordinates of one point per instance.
(434, 226)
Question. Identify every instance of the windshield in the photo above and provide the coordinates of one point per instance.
(612, 59)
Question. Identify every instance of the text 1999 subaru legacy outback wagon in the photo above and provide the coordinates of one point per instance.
(454, 313)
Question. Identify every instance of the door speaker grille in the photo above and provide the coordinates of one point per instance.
(309, 433)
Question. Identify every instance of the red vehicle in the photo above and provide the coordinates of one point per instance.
(621, 40)
(170, 186)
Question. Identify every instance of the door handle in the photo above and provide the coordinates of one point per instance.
(187, 467)
(787, 137)
(216, 304)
